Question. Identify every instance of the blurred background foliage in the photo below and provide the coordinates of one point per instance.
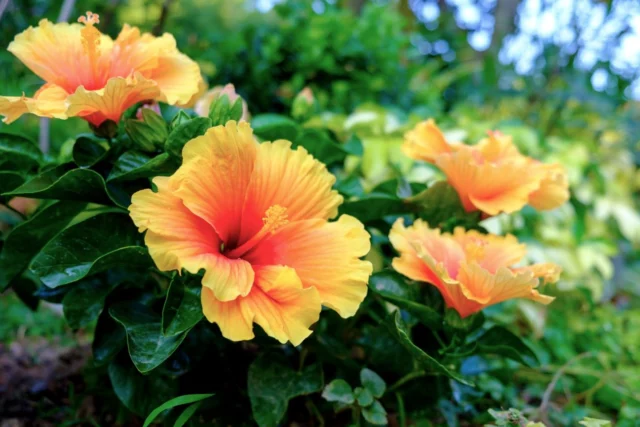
(561, 76)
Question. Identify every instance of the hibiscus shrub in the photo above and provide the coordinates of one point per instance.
(174, 231)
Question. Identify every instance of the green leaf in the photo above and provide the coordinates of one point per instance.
(25, 289)
(187, 414)
(440, 204)
(182, 309)
(271, 384)
(147, 134)
(594, 422)
(392, 288)
(177, 401)
(321, 146)
(139, 393)
(180, 118)
(354, 146)
(88, 151)
(375, 414)
(338, 391)
(374, 206)
(84, 302)
(135, 165)
(18, 153)
(396, 326)
(499, 340)
(89, 247)
(148, 348)
(453, 321)
(61, 183)
(8, 182)
(184, 132)
(373, 382)
(108, 339)
(363, 396)
(271, 127)
(222, 110)
(30, 236)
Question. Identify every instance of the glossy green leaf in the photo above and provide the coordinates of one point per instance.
(499, 340)
(375, 414)
(271, 127)
(135, 165)
(395, 324)
(363, 396)
(147, 134)
(139, 393)
(373, 382)
(184, 132)
(108, 339)
(271, 384)
(353, 146)
(62, 183)
(453, 320)
(373, 206)
(392, 288)
(176, 401)
(321, 146)
(85, 301)
(89, 247)
(147, 346)
(89, 151)
(182, 309)
(18, 153)
(29, 237)
(338, 390)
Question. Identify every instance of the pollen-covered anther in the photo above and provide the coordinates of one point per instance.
(90, 18)
(275, 217)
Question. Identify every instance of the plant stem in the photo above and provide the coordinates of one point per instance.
(402, 416)
(410, 376)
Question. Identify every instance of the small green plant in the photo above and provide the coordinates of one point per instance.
(363, 400)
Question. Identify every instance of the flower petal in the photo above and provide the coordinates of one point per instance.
(490, 251)
(277, 302)
(179, 239)
(425, 142)
(417, 242)
(289, 178)
(214, 176)
(109, 103)
(49, 101)
(55, 53)
(325, 256)
(554, 188)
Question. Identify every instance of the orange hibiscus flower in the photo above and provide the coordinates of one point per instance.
(254, 217)
(88, 74)
(491, 176)
(471, 270)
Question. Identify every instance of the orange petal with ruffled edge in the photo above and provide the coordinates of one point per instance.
(553, 190)
(425, 142)
(177, 239)
(277, 302)
(418, 241)
(325, 255)
(491, 188)
(49, 101)
(289, 178)
(55, 53)
(490, 251)
(109, 103)
(214, 177)
(497, 147)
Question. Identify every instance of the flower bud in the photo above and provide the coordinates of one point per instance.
(207, 103)
(303, 105)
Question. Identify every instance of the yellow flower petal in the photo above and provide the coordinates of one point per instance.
(109, 103)
(554, 188)
(49, 101)
(425, 142)
(326, 256)
(289, 178)
(277, 302)
(214, 177)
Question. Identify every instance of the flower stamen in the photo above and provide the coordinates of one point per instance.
(91, 38)
(274, 218)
